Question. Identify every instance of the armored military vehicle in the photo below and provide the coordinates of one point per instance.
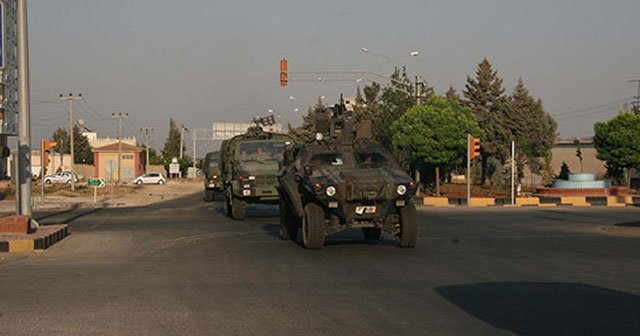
(212, 178)
(249, 164)
(343, 179)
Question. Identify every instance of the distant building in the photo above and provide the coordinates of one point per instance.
(105, 161)
(224, 130)
(96, 142)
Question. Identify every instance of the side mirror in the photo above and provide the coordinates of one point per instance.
(308, 170)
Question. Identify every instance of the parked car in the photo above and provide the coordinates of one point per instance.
(150, 178)
(62, 177)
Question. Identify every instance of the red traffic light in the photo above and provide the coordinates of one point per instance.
(284, 72)
(474, 144)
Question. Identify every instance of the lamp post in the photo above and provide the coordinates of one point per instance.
(412, 53)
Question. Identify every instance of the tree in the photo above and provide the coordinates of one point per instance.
(533, 130)
(436, 133)
(576, 143)
(547, 169)
(564, 171)
(453, 95)
(171, 147)
(394, 102)
(305, 132)
(617, 142)
(81, 149)
(484, 95)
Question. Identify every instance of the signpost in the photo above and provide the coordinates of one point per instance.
(174, 168)
(96, 183)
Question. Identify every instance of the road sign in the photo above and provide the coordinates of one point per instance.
(96, 182)
(174, 168)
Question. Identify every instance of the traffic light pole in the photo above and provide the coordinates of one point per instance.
(468, 169)
(23, 173)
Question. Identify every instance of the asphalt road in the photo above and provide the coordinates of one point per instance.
(182, 268)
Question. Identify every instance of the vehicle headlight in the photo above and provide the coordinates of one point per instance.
(215, 177)
(401, 189)
(330, 191)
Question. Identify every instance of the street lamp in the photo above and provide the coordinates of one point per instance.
(412, 53)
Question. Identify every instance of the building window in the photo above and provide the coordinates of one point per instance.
(127, 157)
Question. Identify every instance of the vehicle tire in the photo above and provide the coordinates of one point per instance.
(238, 208)
(372, 233)
(313, 227)
(209, 195)
(139, 182)
(161, 182)
(408, 235)
(289, 223)
(69, 182)
(47, 181)
(227, 204)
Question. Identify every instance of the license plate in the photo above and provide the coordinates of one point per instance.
(361, 209)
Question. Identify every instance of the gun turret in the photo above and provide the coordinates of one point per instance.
(336, 124)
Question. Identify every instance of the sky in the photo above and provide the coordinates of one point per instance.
(205, 61)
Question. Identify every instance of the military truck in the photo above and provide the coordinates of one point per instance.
(212, 179)
(249, 164)
(343, 179)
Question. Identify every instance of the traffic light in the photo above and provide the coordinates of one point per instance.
(284, 72)
(46, 149)
(474, 144)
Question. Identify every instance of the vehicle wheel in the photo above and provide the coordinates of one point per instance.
(139, 182)
(313, 227)
(69, 182)
(408, 235)
(289, 224)
(209, 195)
(236, 206)
(161, 182)
(227, 206)
(372, 233)
(47, 181)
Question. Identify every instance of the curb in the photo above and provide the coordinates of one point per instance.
(541, 201)
(44, 237)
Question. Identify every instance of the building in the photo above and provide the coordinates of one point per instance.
(105, 161)
(96, 142)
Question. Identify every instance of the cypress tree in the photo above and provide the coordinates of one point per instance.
(484, 95)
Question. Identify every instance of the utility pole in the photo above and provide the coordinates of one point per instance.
(182, 129)
(23, 176)
(70, 98)
(119, 116)
(636, 103)
(193, 136)
(147, 133)
(468, 169)
(419, 89)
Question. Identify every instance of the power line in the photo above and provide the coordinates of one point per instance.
(580, 111)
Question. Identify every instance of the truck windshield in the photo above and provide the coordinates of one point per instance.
(261, 151)
(371, 160)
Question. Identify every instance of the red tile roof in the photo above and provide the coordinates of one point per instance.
(114, 148)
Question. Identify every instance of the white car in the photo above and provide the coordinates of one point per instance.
(150, 178)
(63, 177)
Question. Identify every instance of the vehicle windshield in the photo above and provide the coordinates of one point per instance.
(328, 160)
(261, 151)
(372, 160)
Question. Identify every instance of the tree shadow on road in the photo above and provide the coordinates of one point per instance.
(537, 308)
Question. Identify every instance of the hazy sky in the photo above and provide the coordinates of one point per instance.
(204, 61)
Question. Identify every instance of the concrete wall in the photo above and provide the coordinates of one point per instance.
(565, 151)
(157, 169)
